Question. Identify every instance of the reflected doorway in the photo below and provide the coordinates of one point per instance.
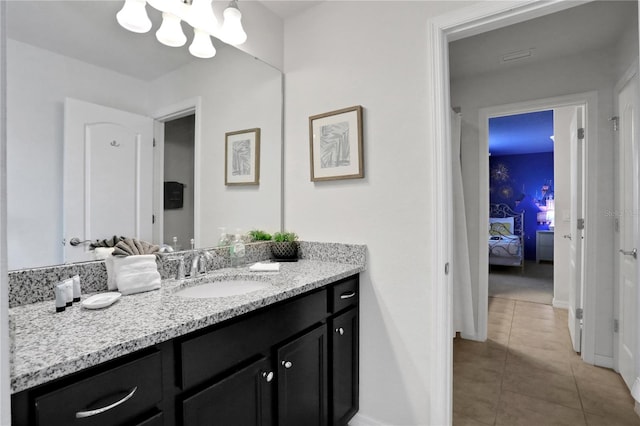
(179, 155)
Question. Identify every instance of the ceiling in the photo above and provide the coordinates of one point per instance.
(87, 30)
(594, 25)
(521, 133)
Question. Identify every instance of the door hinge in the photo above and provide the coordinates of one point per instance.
(446, 268)
(581, 133)
(579, 313)
(580, 224)
(154, 142)
(153, 219)
(615, 121)
(616, 325)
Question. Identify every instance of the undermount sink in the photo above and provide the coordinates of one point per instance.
(223, 288)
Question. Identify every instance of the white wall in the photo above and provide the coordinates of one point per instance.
(341, 54)
(37, 83)
(237, 92)
(562, 196)
(568, 75)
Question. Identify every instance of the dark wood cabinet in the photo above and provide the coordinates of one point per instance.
(293, 363)
(302, 380)
(344, 366)
(243, 398)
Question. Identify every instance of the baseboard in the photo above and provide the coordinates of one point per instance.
(362, 420)
(562, 304)
(636, 408)
(603, 361)
(471, 337)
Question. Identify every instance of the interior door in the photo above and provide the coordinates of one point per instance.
(577, 229)
(108, 176)
(628, 226)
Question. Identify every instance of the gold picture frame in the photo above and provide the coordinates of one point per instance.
(242, 157)
(336, 145)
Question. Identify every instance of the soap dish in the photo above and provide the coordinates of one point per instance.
(101, 300)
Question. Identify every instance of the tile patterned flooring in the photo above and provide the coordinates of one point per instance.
(526, 373)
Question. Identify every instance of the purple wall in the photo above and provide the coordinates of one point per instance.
(518, 181)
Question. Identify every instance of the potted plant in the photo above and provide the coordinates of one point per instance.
(259, 235)
(285, 246)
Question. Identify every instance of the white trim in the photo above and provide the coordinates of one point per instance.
(560, 304)
(360, 420)
(464, 22)
(167, 113)
(603, 361)
(5, 376)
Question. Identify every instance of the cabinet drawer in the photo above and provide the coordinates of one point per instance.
(344, 294)
(113, 397)
(212, 353)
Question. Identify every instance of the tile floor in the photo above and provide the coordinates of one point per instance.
(526, 373)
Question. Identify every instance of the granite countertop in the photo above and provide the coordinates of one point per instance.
(46, 345)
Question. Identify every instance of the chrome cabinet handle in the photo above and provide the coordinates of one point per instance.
(633, 253)
(267, 376)
(340, 330)
(287, 364)
(347, 295)
(89, 413)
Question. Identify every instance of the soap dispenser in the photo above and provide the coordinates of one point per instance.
(237, 251)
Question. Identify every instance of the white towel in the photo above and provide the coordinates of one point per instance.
(265, 267)
(102, 252)
(133, 274)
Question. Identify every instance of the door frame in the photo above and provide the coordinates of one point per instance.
(464, 22)
(632, 72)
(590, 102)
(168, 113)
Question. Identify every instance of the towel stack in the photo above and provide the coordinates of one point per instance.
(132, 268)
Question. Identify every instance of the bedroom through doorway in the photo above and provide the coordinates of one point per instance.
(522, 197)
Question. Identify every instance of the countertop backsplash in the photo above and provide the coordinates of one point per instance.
(28, 286)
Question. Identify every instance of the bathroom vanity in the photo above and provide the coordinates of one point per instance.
(287, 355)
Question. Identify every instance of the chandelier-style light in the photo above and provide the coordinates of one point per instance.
(197, 13)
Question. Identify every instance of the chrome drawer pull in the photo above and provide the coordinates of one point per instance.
(89, 413)
(340, 331)
(287, 364)
(347, 295)
(268, 376)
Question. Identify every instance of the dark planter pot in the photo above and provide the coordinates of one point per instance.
(284, 249)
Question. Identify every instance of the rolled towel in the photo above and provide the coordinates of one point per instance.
(265, 267)
(101, 253)
(133, 274)
(132, 247)
(109, 242)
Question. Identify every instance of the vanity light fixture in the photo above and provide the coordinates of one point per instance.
(197, 13)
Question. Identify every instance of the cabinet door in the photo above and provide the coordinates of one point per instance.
(244, 398)
(344, 367)
(302, 380)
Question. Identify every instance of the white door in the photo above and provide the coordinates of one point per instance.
(108, 176)
(628, 220)
(576, 223)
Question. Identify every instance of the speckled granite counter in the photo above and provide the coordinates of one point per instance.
(48, 345)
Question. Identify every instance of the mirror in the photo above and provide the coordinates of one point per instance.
(75, 49)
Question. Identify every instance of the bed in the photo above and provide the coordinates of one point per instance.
(506, 236)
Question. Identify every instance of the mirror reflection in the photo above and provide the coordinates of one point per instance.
(78, 169)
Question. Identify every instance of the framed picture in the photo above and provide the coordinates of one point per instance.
(242, 157)
(336, 145)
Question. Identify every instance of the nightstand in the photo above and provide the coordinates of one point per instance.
(544, 246)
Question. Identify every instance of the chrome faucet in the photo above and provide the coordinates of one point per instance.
(199, 263)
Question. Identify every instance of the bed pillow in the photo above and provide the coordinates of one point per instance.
(501, 226)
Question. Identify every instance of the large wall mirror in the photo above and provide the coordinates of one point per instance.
(74, 53)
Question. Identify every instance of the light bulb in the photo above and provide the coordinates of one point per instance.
(201, 16)
(232, 31)
(201, 46)
(170, 32)
(133, 16)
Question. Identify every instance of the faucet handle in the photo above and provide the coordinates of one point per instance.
(180, 274)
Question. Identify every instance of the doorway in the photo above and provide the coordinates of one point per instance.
(179, 158)
(522, 182)
(472, 21)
